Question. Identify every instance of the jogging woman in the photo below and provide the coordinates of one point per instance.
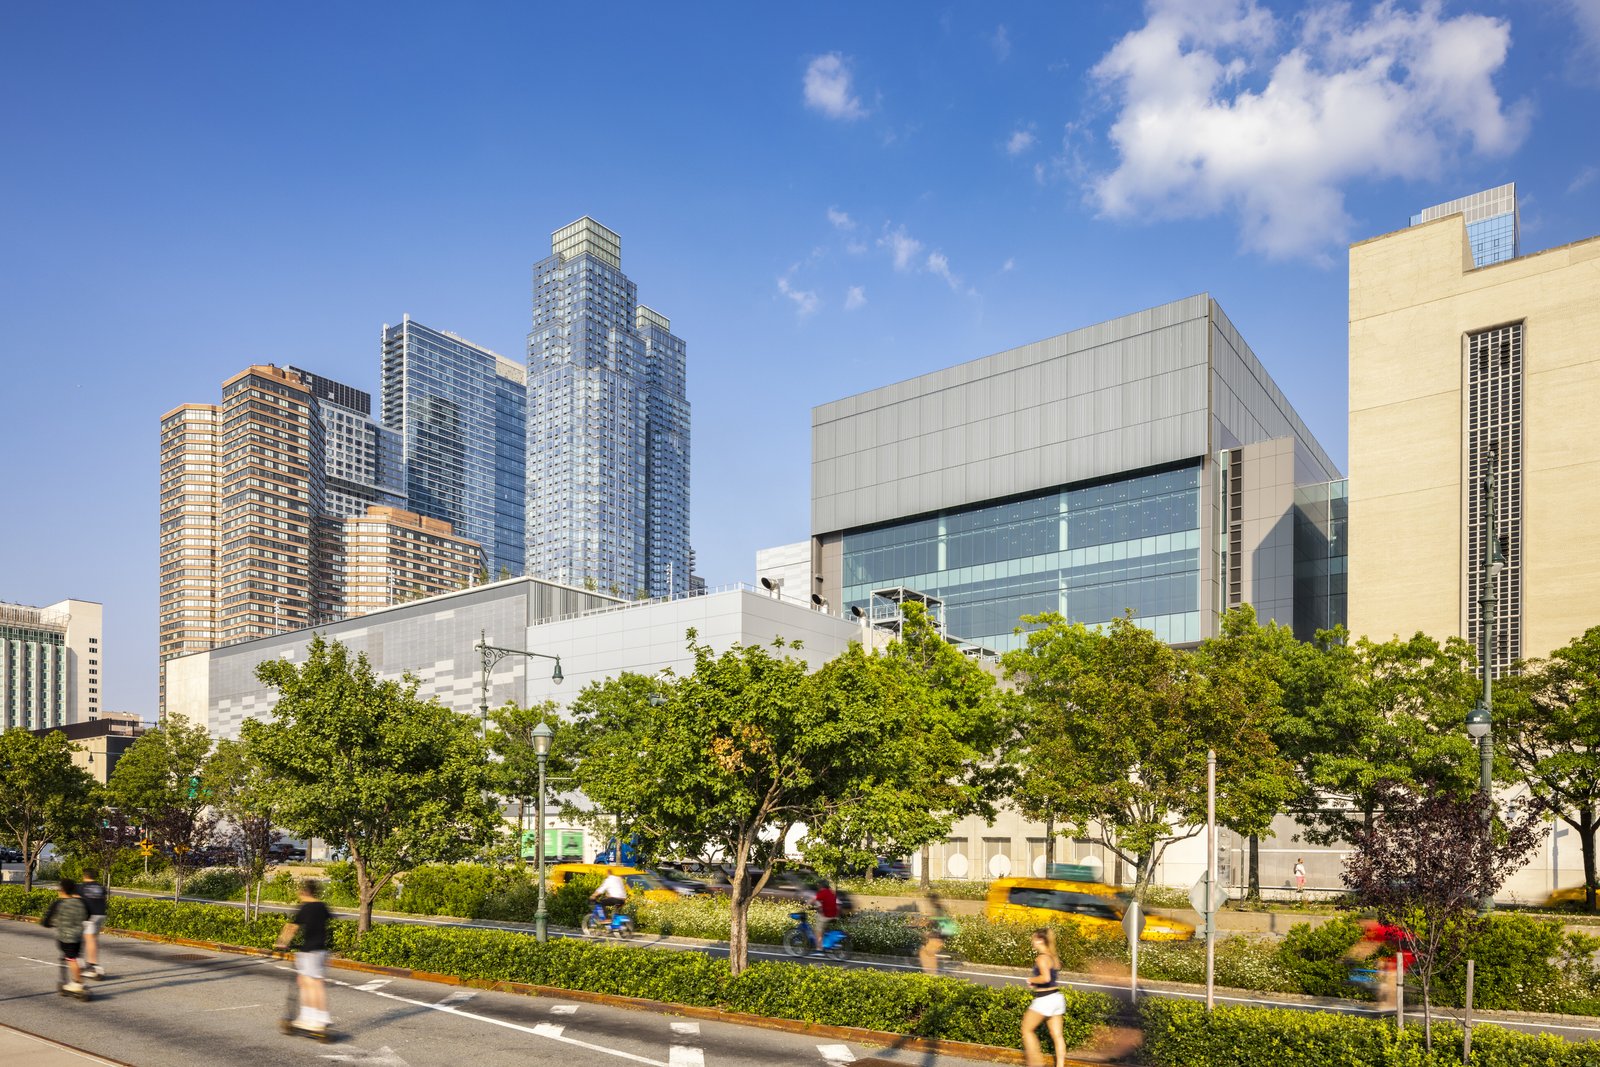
(1048, 1003)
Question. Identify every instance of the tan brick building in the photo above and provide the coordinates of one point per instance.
(1456, 370)
(390, 555)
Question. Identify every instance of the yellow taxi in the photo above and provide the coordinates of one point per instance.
(1092, 906)
(644, 883)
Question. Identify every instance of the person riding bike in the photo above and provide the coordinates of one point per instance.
(611, 894)
(827, 905)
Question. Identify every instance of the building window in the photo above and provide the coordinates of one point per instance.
(1494, 444)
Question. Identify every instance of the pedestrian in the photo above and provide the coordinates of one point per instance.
(67, 916)
(1300, 877)
(1048, 1004)
(937, 928)
(95, 897)
(827, 902)
(310, 922)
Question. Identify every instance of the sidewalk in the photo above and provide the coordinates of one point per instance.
(23, 1048)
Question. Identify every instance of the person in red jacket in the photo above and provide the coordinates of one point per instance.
(827, 909)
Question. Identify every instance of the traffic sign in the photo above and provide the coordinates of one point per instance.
(1133, 921)
(1207, 903)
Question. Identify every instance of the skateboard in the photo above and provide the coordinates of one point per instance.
(76, 994)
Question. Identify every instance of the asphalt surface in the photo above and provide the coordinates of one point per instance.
(170, 1006)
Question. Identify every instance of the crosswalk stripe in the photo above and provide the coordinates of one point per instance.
(685, 1056)
(686, 1028)
(837, 1053)
(548, 1029)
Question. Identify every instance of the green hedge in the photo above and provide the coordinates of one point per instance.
(1180, 1034)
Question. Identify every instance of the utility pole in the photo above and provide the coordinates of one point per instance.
(1480, 720)
(1211, 877)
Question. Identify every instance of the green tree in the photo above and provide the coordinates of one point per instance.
(397, 780)
(43, 797)
(516, 774)
(1116, 725)
(941, 726)
(238, 786)
(159, 781)
(733, 757)
(1366, 714)
(1548, 724)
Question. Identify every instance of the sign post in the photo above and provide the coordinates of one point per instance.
(1133, 926)
(1211, 876)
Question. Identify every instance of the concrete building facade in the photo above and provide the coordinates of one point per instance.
(1457, 370)
(51, 664)
(389, 555)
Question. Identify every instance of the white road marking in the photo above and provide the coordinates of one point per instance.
(684, 1056)
(234, 1007)
(686, 1028)
(460, 996)
(837, 1053)
(382, 1056)
(374, 985)
(547, 1030)
(563, 1009)
(30, 959)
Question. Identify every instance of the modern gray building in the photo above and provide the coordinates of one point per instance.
(1148, 463)
(459, 410)
(363, 463)
(608, 426)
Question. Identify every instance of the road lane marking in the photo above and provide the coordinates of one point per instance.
(563, 1009)
(383, 1057)
(837, 1053)
(374, 985)
(44, 963)
(234, 1007)
(686, 1056)
(460, 996)
(686, 1028)
(546, 1030)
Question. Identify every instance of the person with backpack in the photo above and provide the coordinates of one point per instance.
(94, 896)
(67, 915)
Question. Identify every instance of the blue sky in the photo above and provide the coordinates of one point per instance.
(823, 198)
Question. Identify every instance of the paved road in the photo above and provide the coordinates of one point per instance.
(169, 1006)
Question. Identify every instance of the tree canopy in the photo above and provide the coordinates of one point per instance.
(43, 796)
(159, 781)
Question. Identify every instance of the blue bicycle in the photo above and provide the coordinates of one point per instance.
(598, 924)
(800, 939)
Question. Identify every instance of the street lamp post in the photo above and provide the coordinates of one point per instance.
(1480, 720)
(541, 747)
(492, 654)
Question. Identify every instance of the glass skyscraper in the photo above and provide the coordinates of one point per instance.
(459, 410)
(607, 427)
(1493, 222)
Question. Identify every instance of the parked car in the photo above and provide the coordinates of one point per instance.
(1092, 906)
(283, 852)
(892, 867)
(10, 855)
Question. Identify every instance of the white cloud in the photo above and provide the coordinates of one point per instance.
(855, 297)
(1223, 109)
(1008, 266)
(805, 300)
(1583, 179)
(828, 90)
(856, 248)
(1001, 43)
(1586, 13)
(938, 264)
(1019, 142)
(902, 246)
(841, 219)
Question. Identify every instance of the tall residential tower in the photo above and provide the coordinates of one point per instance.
(458, 409)
(608, 425)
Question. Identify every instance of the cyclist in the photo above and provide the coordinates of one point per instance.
(827, 902)
(611, 894)
(311, 961)
(67, 915)
(937, 928)
(94, 901)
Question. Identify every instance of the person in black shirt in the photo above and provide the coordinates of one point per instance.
(94, 897)
(311, 961)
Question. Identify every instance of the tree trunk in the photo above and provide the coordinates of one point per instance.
(30, 860)
(926, 878)
(365, 894)
(1586, 834)
(1049, 843)
(1254, 893)
(739, 914)
(1427, 1014)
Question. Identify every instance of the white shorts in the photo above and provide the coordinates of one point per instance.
(1050, 1005)
(92, 925)
(314, 964)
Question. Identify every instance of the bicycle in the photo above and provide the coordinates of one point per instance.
(801, 939)
(597, 923)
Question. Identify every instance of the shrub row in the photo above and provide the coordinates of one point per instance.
(912, 1004)
(1181, 1034)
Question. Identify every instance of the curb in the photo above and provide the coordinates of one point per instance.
(880, 1038)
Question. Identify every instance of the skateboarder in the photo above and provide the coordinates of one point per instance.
(94, 897)
(311, 961)
(67, 915)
